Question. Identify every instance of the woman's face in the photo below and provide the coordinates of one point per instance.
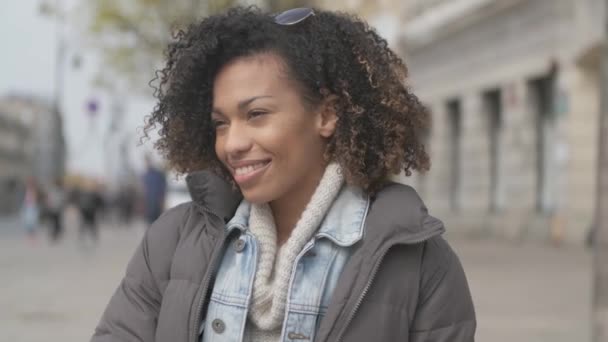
(269, 141)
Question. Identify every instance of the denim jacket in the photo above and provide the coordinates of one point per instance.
(314, 276)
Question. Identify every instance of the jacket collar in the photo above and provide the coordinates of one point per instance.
(240, 220)
(399, 214)
(213, 194)
(343, 223)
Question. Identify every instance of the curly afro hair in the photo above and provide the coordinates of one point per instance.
(379, 120)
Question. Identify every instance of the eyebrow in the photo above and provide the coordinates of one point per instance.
(244, 103)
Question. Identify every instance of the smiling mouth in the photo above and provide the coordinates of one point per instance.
(245, 174)
(244, 170)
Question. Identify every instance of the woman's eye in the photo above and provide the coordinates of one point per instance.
(218, 123)
(255, 113)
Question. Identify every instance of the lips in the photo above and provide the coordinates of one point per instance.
(245, 172)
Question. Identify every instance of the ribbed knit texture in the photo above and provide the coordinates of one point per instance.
(267, 308)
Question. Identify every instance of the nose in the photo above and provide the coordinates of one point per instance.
(236, 141)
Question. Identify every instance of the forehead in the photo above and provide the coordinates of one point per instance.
(251, 76)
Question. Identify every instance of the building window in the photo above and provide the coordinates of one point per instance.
(541, 93)
(493, 111)
(454, 112)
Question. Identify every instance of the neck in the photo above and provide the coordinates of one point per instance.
(288, 209)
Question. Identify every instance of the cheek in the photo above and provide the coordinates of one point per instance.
(287, 135)
(219, 149)
(300, 145)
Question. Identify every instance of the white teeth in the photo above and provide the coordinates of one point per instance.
(248, 169)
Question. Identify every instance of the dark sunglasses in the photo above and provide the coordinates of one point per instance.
(293, 16)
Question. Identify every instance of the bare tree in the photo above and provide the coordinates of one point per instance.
(131, 35)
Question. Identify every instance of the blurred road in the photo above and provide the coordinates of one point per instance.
(522, 292)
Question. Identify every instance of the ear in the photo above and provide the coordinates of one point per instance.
(327, 118)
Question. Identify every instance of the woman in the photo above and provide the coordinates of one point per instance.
(305, 114)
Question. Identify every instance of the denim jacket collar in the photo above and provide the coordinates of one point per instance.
(343, 223)
(240, 220)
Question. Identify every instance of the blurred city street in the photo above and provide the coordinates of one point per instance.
(517, 115)
(522, 292)
(58, 292)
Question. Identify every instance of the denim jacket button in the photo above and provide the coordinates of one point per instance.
(218, 326)
(239, 245)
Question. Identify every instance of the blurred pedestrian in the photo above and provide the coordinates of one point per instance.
(291, 126)
(54, 204)
(155, 188)
(89, 205)
(30, 208)
(125, 203)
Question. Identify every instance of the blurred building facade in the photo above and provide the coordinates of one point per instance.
(513, 87)
(385, 16)
(31, 145)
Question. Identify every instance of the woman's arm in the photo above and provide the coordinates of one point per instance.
(445, 309)
(133, 310)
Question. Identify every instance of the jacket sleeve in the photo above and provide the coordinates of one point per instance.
(131, 314)
(445, 311)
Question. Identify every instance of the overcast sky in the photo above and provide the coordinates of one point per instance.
(29, 42)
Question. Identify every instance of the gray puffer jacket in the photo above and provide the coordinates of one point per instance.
(402, 283)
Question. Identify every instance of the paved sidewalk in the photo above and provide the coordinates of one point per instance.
(10, 225)
(524, 292)
(529, 292)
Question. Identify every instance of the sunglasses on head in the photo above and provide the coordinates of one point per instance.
(293, 16)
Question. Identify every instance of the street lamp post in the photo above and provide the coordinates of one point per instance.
(59, 55)
(600, 260)
(59, 82)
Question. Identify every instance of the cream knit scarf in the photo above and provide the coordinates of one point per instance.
(273, 272)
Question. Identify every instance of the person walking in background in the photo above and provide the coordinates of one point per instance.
(155, 188)
(54, 204)
(89, 204)
(30, 209)
(127, 196)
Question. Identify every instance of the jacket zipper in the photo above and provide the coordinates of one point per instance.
(370, 281)
(205, 284)
(363, 294)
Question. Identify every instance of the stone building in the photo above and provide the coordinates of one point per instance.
(513, 87)
(385, 16)
(31, 145)
(14, 159)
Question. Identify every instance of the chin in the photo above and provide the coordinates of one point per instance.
(256, 196)
(261, 193)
